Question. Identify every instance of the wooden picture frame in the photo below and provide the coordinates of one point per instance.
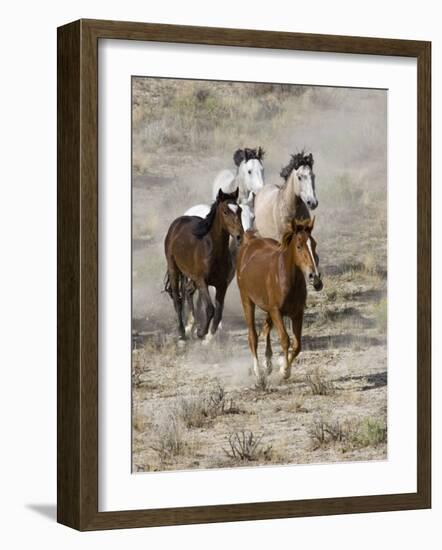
(77, 459)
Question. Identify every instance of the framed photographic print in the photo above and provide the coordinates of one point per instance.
(243, 274)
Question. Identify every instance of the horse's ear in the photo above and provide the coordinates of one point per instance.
(238, 156)
(310, 160)
(287, 236)
(261, 153)
(311, 224)
(285, 172)
(220, 195)
(286, 239)
(236, 194)
(249, 154)
(299, 225)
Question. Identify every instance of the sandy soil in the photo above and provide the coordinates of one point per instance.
(344, 348)
(197, 406)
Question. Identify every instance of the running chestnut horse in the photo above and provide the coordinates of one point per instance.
(197, 254)
(274, 277)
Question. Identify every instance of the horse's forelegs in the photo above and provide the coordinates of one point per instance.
(177, 300)
(205, 310)
(297, 333)
(249, 314)
(190, 309)
(233, 251)
(219, 306)
(266, 329)
(190, 316)
(285, 342)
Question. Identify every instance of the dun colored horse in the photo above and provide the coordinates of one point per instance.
(274, 277)
(276, 206)
(197, 249)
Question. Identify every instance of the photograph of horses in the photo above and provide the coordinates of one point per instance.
(259, 274)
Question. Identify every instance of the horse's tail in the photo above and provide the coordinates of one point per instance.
(167, 286)
(185, 285)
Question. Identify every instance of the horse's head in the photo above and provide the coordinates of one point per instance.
(299, 236)
(250, 168)
(230, 213)
(299, 173)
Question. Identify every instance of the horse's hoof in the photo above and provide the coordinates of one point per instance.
(285, 373)
(208, 338)
(261, 381)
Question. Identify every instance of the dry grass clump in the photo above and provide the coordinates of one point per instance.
(172, 427)
(170, 441)
(159, 351)
(351, 434)
(246, 446)
(318, 383)
(331, 294)
(195, 411)
(192, 411)
(371, 432)
(296, 405)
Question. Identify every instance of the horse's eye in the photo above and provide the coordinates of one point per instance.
(250, 171)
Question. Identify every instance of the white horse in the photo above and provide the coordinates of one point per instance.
(276, 206)
(249, 176)
(247, 213)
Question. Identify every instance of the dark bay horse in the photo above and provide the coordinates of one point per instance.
(274, 277)
(197, 254)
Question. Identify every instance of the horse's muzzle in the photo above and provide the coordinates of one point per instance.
(317, 283)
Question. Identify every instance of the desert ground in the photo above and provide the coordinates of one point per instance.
(197, 406)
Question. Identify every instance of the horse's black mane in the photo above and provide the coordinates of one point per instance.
(247, 154)
(204, 226)
(297, 160)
